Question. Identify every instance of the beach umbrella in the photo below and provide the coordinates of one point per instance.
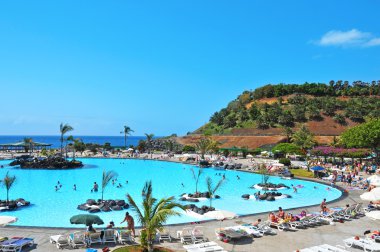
(373, 195)
(374, 180)
(373, 215)
(220, 215)
(249, 156)
(86, 219)
(317, 168)
(130, 149)
(5, 220)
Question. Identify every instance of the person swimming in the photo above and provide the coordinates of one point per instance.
(56, 188)
(75, 187)
(182, 185)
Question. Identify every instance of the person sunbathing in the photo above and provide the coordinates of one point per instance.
(281, 213)
(326, 210)
(272, 217)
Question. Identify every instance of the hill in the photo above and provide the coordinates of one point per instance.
(263, 116)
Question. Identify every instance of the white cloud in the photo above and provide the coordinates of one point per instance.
(349, 38)
(373, 42)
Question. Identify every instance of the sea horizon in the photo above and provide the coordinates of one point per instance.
(55, 139)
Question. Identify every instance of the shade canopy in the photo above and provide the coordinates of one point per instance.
(317, 168)
(373, 195)
(24, 144)
(373, 215)
(5, 220)
(86, 219)
(220, 215)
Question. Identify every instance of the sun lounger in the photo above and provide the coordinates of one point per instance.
(185, 235)
(331, 248)
(94, 238)
(229, 234)
(250, 230)
(265, 227)
(281, 226)
(164, 235)
(77, 240)
(208, 249)
(198, 235)
(109, 236)
(124, 236)
(16, 245)
(60, 240)
(200, 245)
(365, 244)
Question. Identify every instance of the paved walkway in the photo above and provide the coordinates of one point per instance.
(283, 241)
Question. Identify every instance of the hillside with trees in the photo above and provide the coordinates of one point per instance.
(278, 110)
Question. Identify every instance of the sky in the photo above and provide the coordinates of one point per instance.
(166, 66)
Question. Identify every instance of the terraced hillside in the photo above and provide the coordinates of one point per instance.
(265, 115)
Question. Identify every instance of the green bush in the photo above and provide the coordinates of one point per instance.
(285, 161)
(188, 148)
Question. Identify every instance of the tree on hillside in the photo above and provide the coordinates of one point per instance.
(366, 135)
(288, 132)
(153, 214)
(126, 131)
(63, 129)
(287, 148)
(149, 141)
(303, 138)
(286, 119)
(254, 111)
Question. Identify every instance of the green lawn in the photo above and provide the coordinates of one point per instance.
(302, 173)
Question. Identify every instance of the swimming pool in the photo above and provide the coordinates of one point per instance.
(54, 209)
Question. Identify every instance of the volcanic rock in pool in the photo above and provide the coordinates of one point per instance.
(126, 206)
(83, 207)
(29, 162)
(182, 199)
(192, 200)
(245, 196)
(120, 203)
(94, 210)
(106, 209)
(217, 197)
(201, 211)
(91, 202)
(263, 196)
(270, 198)
(116, 208)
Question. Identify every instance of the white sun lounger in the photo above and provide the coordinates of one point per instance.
(365, 244)
(60, 240)
(164, 235)
(331, 248)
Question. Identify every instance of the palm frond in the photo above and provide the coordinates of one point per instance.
(135, 209)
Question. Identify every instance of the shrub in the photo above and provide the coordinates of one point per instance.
(188, 148)
(285, 161)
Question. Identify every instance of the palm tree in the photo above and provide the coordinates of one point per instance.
(107, 177)
(153, 214)
(64, 128)
(196, 177)
(71, 139)
(211, 189)
(8, 182)
(149, 139)
(127, 131)
(203, 145)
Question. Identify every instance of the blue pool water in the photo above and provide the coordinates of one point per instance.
(54, 209)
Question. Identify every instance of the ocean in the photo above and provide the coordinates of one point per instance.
(54, 140)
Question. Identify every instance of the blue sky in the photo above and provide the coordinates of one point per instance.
(164, 67)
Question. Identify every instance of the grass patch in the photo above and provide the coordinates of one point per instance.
(302, 173)
(139, 249)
